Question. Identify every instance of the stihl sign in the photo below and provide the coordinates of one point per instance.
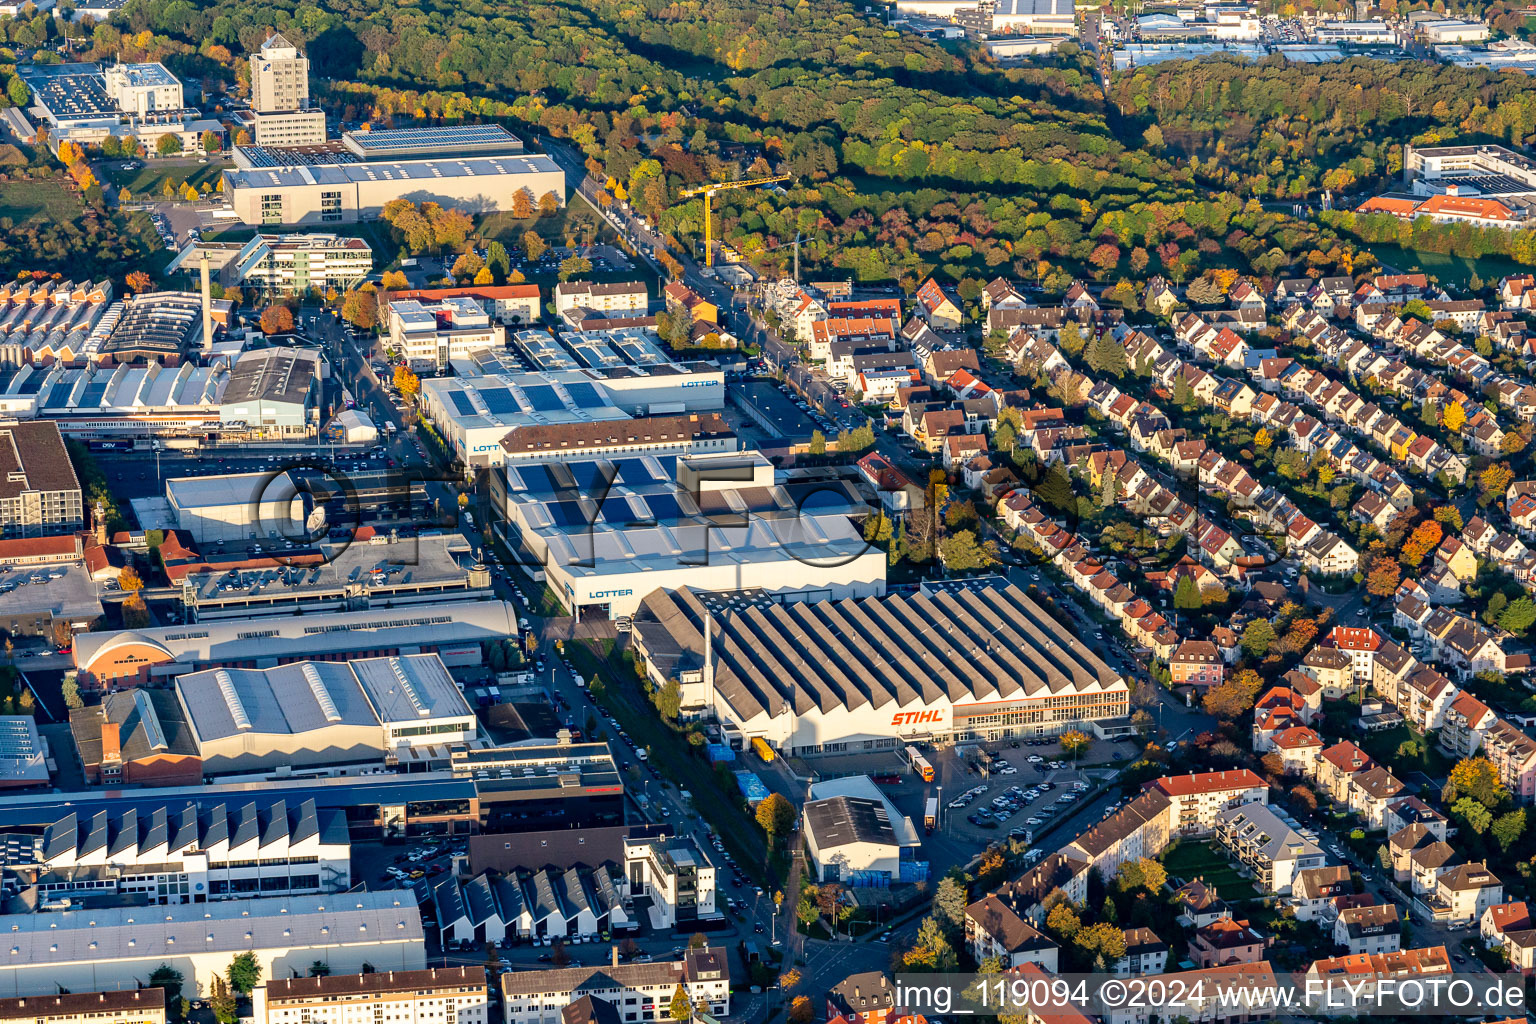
(917, 718)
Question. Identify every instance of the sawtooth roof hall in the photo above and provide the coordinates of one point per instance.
(811, 676)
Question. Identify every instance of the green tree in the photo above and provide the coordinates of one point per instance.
(244, 973)
(818, 443)
(574, 266)
(497, 259)
(1257, 637)
(1186, 596)
(1074, 743)
(168, 144)
(18, 92)
(669, 700)
(169, 978)
(534, 245)
(319, 969)
(1508, 828)
(960, 551)
(71, 691)
(1518, 616)
(1477, 817)
(225, 1007)
(949, 902)
(1474, 777)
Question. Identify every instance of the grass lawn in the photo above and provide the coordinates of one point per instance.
(149, 180)
(1383, 746)
(1451, 270)
(27, 202)
(1187, 860)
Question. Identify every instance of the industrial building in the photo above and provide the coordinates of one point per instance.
(857, 835)
(119, 947)
(135, 738)
(1491, 171)
(438, 995)
(320, 714)
(39, 492)
(361, 571)
(48, 320)
(534, 787)
(280, 110)
(272, 392)
(973, 662)
(177, 853)
(608, 533)
(352, 181)
(281, 264)
(476, 410)
(163, 327)
(574, 905)
(236, 507)
(85, 103)
(452, 630)
(24, 754)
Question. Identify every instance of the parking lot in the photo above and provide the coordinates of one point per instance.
(776, 410)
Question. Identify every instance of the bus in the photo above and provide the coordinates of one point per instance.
(762, 749)
(920, 764)
(931, 815)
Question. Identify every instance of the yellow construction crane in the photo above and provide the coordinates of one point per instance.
(708, 191)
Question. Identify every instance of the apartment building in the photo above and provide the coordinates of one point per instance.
(447, 995)
(612, 299)
(1197, 800)
(39, 492)
(1369, 930)
(1268, 844)
(135, 1006)
(992, 928)
(639, 992)
(1145, 953)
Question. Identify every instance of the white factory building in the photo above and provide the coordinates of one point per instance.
(475, 413)
(439, 995)
(475, 168)
(236, 506)
(433, 332)
(972, 661)
(321, 713)
(120, 947)
(453, 630)
(854, 832)
(608, 533)
(186, 854)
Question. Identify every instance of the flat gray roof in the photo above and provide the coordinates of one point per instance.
(414, 170)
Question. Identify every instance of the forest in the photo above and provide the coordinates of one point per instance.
(910, 156)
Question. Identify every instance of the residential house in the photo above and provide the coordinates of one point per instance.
(1463, 893)
(1145, 954)
(1337, 767)
(1513, 754)
(1467, 719)
(993, 928)
(1226, 942)
(935, 306)
(1371, 792)
(1197, 663)
(1314, 891)
(1197, 799)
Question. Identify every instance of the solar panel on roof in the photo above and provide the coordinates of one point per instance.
(462, 403)
(500, 401)
(585, 396)
(567, 513)
(544, 399)
(617, 511)
(92, 394)
(664, 508)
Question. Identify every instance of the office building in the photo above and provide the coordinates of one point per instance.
(438, 995)
(677, 876)
(39, 492)
(638, 992)
(506, 303)
(352, 181)
(23, 753)
(280, 97)
(319, 714)
(1452, 30)
(973, 662)
(177, 853)
(1033, 17)
(608, 533)
(452, 630)
(84, 103)
(126, 1006)
(118, 947)
(281, 264)
(429, 334)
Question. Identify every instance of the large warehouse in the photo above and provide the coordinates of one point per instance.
(452, 630)
(475, 411)
(323, 713)
(236, 506)
(610, 532)
(352, 181)
(120, 947)
(982, 662)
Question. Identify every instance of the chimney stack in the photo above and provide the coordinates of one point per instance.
(111, 742)
(207, 304)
